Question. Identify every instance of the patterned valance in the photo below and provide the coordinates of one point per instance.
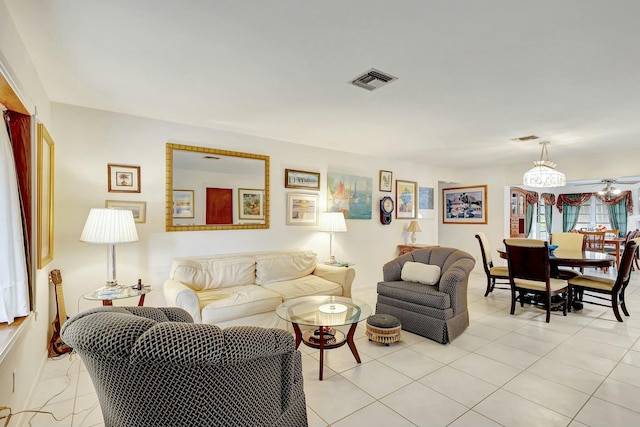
(609, 201)
(577, 199)
(532, 198)
(549, 199)
(580, 198)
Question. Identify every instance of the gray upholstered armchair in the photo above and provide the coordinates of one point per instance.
(155, 367)
(437, 311)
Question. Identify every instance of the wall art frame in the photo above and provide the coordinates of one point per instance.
(302, 209)
(386, 181)
(406, 199)
(123, 178)
(138, 209)
(45, 173)
(301, 179)
(464, 205)
(250, 203)
(183, 203)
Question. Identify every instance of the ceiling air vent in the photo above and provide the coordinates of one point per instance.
(526, 138)
(373, 79)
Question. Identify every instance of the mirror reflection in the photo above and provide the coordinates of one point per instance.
(212, 189)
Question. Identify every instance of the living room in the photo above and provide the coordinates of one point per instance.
(88, 139)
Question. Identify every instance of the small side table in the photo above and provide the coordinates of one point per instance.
(108, 295)
(405, 249)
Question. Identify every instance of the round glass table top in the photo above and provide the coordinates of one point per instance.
(323, 311)
(116, 292)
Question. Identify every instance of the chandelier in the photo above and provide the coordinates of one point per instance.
(544, 173)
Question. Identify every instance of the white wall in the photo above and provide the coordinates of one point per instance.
(87, 140)
(28, 354)
(500, 178)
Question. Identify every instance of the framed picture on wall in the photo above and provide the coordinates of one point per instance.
(138, 209)
(302, 209)
(464, 205)
(406, 199)
(250, 203)
(183, 204)
(301, 179)
(386, 180)
(44, 218)
(123, 178)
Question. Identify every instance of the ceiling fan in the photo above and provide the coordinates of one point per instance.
(609, 190)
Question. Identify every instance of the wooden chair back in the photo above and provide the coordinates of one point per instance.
(528, 259)
(594, 240)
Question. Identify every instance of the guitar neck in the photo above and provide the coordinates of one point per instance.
(62, 312)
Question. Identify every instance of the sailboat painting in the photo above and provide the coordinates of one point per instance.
(350, 195)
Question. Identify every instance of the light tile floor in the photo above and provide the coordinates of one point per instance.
(578, 370)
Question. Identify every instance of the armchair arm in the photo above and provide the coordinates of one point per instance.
(454, 281)
(177, 294)
(341, 275)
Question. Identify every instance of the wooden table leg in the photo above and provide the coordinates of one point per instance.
(107, 302)
(141, 301)
(352, 345)
(321, 351)
(296, 329)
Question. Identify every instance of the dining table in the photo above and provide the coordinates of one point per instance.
(574, 258)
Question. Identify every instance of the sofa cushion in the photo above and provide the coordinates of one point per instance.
(421, 273)
(222, 304)
(275, 267)
(303, 286)
(214, 273)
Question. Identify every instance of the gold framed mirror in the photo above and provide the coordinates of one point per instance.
(213, 189)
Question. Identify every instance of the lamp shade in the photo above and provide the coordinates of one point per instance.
(109, 226)
(333, 222)
(544, 176)
(414, 227)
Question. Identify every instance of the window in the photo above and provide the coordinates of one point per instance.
(542, 220)
(593, 213)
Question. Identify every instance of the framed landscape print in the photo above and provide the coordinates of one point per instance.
(123, 178)
(250, 203)
(406, 199)
(301, 179)
(302, 209)
(183, 204)
(464, 205)
(138, 209)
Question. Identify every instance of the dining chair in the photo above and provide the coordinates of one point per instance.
(496, 274)
(593, 240)
(596, 286)
(529, 273)
(568, 241)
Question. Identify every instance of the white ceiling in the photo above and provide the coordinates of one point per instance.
(472, 74)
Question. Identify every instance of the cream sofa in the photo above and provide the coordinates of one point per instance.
(246, 288)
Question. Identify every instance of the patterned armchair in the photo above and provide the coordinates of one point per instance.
(155, 367)
(438, 310)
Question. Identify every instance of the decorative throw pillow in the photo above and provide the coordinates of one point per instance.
(421, 273)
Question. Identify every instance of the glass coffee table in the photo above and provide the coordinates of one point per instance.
(323, 314)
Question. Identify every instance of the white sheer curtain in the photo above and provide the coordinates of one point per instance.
(14, 292)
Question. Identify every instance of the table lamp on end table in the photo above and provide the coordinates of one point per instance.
(332, 222)
(110, 226)
(414, 228)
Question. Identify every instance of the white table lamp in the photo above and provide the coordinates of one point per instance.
(110, 226)
(413, 228)
(332, 222)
